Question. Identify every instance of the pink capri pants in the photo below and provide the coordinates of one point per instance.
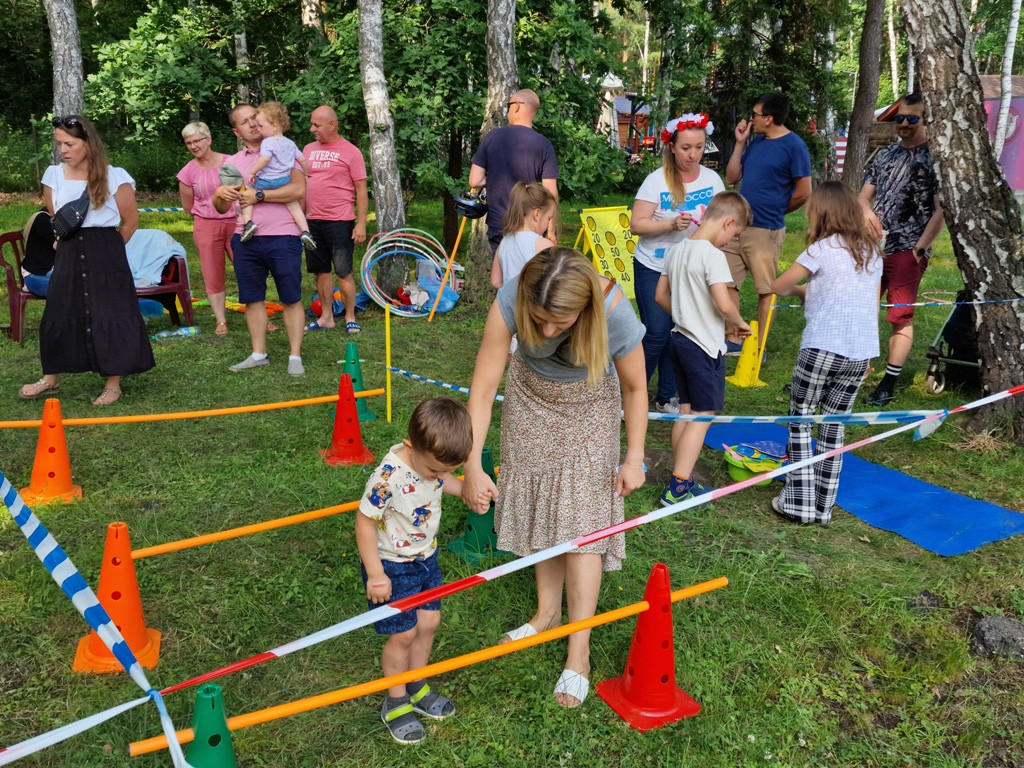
(213, 239)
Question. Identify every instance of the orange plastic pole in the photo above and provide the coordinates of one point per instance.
(145, 417)
(364, 689)
(447, 271)
(245, 530)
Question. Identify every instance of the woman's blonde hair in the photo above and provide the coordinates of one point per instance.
(196, 129)
(523, 200)
(668, 164)
(562, 282)
(276, 113)
(833, 209)
(82, 128)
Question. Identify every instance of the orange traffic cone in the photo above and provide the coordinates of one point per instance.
(347, 442)
(118, 592)
(51, 472)
(646, 695)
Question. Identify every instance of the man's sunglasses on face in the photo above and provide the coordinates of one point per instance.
(912, 119)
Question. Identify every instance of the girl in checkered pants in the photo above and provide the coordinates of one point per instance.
(842, 267)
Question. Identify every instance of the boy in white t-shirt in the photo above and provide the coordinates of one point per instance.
(694, 289)
(396, 532)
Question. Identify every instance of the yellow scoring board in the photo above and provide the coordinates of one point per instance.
(606, 237)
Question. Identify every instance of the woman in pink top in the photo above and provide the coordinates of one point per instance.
(212, 231)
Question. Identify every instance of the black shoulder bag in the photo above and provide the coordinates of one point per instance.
(69, 217)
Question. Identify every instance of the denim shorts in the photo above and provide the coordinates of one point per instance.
(407, 579)
(279, 256)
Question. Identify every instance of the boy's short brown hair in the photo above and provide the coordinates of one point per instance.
(729, 204)
(441, 426)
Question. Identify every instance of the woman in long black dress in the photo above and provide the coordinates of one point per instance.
(92, 320)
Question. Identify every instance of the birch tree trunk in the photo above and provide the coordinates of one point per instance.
(863, 114)
(894, 58)
(1007, 82)
(68, 98)
(312, 16)
(502, 82)
(241, 53)
(984, 220)
(387, 186)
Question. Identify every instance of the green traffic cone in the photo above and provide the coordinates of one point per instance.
(211, 747)
(480, 539)
(351, 367)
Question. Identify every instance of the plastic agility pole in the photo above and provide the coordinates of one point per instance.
(431, 670)
(448, 269)
(387, 357)
(245, 530)
(146, 417)
(868, 417)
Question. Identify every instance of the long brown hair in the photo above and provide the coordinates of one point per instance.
(833, 209)
(668, 164)
(96, 179)
(562, 282)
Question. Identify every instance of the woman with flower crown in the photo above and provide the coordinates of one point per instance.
(668, 209)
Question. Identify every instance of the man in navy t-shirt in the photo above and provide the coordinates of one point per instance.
(513, 153)
(776, 174)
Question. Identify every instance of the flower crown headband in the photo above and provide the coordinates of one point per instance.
(685, 122)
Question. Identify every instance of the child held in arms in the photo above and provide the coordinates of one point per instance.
(396, 532)
(694, 289)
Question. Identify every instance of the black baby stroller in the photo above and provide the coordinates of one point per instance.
(956, 346)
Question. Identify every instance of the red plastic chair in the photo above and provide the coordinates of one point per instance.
(17, 296)
(173, 285)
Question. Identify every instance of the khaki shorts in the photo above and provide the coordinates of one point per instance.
(755, 251)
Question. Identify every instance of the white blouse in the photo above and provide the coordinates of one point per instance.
(65, 191)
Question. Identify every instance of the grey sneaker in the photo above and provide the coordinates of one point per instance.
(307, 240)
(248, 231)
(669, 406)
(249, 362)
(295, 367)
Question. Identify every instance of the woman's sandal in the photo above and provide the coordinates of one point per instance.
(429, 704)
(402, 723)
(573, 684)
(221, 329)
(39, 389)
(107, 397)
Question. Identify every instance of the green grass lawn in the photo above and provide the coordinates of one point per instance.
(811, 657)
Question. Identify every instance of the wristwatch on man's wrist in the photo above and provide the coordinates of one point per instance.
(923, 253)
(260, 195)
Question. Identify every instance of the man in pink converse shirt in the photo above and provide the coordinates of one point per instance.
(336, 206)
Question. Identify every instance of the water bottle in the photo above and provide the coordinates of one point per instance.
(188, 330)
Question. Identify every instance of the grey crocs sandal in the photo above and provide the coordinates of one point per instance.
(433, 705)
(402, 723)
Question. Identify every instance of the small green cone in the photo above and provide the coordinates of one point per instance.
(351, 367)
(211, 747)
(480, 539)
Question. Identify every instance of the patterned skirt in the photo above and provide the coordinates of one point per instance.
(559, 450)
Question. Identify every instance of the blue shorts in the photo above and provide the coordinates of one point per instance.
(277, 183)
(700, 378)
(407, 579)
(277, 255)
(334, 247)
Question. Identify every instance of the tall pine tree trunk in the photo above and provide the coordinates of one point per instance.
(502, 82)
(68, 96)
(387, 186)
(867, 94)
(984, 220)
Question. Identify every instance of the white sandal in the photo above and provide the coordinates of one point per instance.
(573, 684)
(527, 630)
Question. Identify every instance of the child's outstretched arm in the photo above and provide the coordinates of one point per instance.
(786, 283)
(452, 484)
(378, 585)
(729, 311)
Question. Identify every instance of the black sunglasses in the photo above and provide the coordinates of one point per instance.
(912, 119)
(66, 122)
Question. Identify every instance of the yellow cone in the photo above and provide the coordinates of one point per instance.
(748, 367)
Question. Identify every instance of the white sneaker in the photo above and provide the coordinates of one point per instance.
(672, 406)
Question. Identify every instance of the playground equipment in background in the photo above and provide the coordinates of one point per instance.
(414, 244)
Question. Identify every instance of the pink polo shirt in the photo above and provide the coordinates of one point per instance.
(334, 168)
(271, 218)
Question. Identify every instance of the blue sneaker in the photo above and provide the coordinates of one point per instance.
(681, 490)
(732, 348)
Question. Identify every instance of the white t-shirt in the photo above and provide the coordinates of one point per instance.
(842, 304)
(65, 191)
(650, 249)
(692, 267)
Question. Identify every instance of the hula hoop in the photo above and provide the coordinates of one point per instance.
(415, 243)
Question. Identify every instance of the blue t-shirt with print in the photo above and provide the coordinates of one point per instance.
(770, 170)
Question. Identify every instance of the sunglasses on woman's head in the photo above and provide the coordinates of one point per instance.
(66, 122)
(912, 119)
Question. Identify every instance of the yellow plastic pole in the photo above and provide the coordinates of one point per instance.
(448, 269)
(364, 689)
(147, 417)
(245, 530)
(764, 338)
(387, 355)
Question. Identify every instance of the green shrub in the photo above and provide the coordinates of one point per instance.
(17, 160)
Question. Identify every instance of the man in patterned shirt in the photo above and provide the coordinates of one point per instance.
(902, 183)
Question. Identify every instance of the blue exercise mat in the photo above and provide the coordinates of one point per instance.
(934, 518)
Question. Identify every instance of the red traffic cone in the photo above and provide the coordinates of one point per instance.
(118, 592)
(646, 695)
(347, 442)
(51, 471)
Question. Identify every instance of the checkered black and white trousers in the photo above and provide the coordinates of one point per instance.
(829, 382)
